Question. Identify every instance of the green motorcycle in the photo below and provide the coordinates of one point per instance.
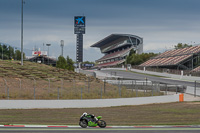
(91, 121)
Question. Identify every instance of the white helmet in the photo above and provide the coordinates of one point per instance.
(85, 113)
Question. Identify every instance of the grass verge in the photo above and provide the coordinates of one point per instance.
(185, 113)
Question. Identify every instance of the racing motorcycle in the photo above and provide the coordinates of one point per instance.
(90, 121)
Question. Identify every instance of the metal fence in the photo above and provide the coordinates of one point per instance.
(149, 87)
(52, 88)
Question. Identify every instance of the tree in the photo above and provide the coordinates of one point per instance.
(88, 62)
(136, 59)
(181, 45)
(61, 63)
(65, 63)
(17, 55)
(11, 53)
(70, 64)
(132, 52)
(8, 53)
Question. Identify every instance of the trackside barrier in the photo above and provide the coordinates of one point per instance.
(86, 103)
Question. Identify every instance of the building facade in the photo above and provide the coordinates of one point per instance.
(116, 47)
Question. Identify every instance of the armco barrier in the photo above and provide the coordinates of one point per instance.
(30, 104)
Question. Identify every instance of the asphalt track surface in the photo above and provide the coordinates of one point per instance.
(137, 76)
(99, 130)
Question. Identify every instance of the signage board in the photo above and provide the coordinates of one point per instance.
(88, 65)
(79, 21)
(79, 30)
(34, 53)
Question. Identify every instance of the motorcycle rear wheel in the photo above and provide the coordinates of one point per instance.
(83, 123)
(102, 124)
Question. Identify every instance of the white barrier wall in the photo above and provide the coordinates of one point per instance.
(30, 104)
(191, 90)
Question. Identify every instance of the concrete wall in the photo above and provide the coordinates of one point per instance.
(30, 104)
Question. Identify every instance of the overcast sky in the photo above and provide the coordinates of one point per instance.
(161, 23)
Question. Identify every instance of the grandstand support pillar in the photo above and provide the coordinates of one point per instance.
(104, 86)
(192, 62)
(178, 67)
(131, 40)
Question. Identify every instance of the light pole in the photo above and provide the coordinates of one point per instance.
(2, 51)
(22, 33)
(62, 45)
(48, 51)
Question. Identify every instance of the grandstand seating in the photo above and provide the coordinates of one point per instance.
(183, 51)
(197, 69)
(165, 61)
(172, 57)
(112, 55)
(110, 63)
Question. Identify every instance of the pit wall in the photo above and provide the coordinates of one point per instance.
(92, 103)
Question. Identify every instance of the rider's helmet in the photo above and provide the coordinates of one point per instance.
(84, 113)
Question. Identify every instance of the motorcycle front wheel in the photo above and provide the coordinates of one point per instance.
(102, 124)
(83, 123)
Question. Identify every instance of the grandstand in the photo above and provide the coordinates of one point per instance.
(197, 69)
(181, 59)
(116, 47)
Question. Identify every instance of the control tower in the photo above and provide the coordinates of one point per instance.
(79, 30)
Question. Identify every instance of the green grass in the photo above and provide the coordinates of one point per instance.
(184, 113)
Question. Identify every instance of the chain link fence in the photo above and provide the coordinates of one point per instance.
(147, 88)
(51, 88)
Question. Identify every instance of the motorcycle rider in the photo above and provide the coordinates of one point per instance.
(91, 115)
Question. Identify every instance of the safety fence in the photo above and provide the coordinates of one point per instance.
(148, 87)
(15, 88)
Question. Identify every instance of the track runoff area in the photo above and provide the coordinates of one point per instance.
(38, 128)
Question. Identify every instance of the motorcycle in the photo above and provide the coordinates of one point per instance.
(92, 122)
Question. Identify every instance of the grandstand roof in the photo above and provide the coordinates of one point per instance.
(111, 38)
(172, 57)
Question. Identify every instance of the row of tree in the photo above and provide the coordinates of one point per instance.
(137, 59)
(65, 63)
(181, 45)
(8, 53)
